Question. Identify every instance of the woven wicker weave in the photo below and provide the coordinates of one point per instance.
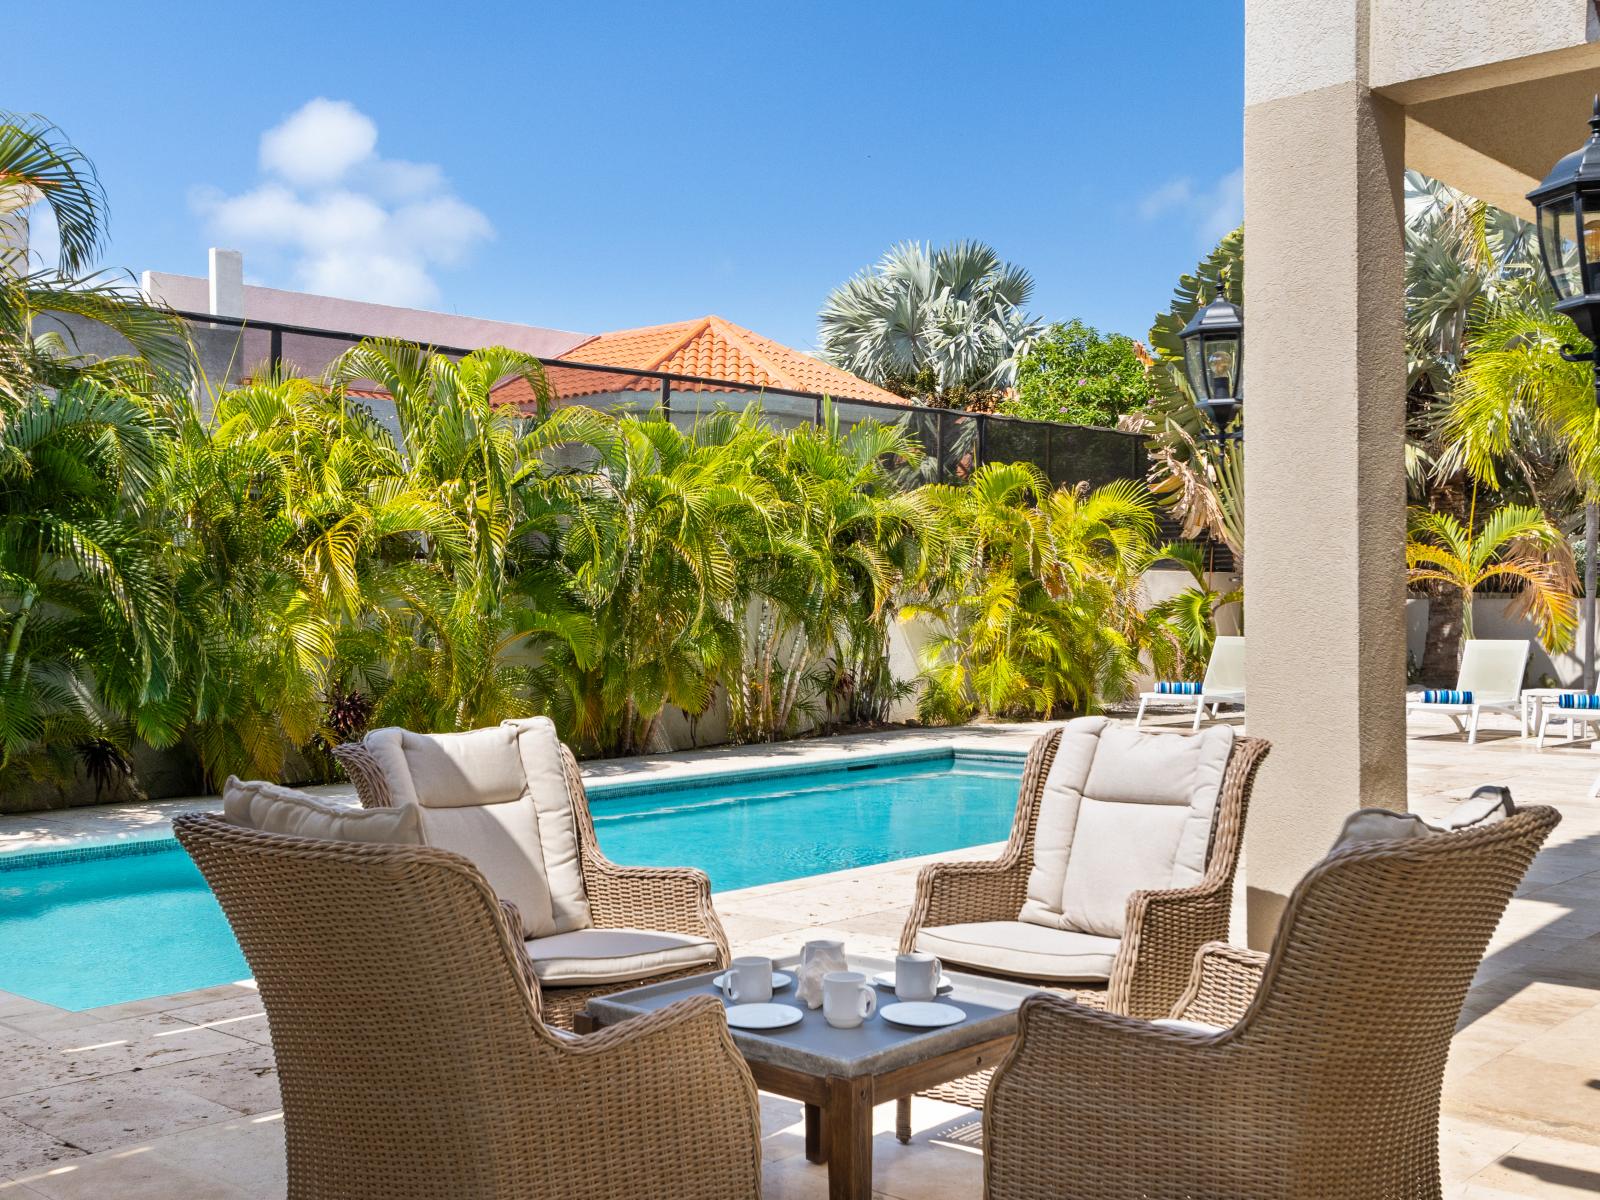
(1163, 929)
(1328, 1081)
(411, 1054)
(664, 899)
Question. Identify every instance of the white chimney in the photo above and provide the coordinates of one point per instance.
(227, 283)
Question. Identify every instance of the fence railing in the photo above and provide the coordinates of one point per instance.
(954, 443)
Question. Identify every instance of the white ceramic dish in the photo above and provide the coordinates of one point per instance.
(779, 981)
(763, 1016)
(922, 1014)
(886, 982)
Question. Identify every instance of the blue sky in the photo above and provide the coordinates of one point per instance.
(603, 165)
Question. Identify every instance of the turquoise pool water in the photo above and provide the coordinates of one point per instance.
(82, 928)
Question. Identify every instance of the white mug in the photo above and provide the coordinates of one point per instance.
(846, 999)
(916, 976)
(748, 981)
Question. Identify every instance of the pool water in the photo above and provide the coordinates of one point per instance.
(103, 925)
(748, 831)
(82, 932)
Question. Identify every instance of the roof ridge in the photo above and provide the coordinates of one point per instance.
(772, 366)
(695, 326)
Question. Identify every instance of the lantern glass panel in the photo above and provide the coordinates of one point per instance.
(1222, 367)
(1194, 364)
(1558, 239)
(1589, 207)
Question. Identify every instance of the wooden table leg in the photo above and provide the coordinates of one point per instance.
(584, 1023)
(849, 1138)
(816, 1135)
(902, 1120)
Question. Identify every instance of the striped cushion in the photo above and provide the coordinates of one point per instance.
(1578, 701)
(1445, 696)
(1168, 687)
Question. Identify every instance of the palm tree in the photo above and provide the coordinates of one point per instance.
(1509, 547)
(1029, 595)
(40, 307)
(84, 607)
(945, 326)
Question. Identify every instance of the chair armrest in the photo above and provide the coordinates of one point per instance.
(1222, 985)
(674, 1080)
(955, 893)
(1090, 1103)
(371, 787)
(668, 899)
(1163, 930)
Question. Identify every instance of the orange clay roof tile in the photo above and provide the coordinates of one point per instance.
(710, 348)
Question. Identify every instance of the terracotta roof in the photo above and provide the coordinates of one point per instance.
(708, 347)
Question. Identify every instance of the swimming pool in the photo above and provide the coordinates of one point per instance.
(104, 924)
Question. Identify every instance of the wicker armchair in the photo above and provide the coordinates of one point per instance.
(1326, 1079)
(412, 1057)
(1163, 929)
(670, 900)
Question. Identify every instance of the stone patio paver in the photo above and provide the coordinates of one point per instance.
(198, 1118)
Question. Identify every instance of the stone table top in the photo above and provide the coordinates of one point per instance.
(817, 1048)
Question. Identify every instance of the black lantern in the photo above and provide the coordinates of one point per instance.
(1213, 357)
(1568, 205)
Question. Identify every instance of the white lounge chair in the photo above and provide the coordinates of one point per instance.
(1223, 684)
(1587, 719)
(1492, 670)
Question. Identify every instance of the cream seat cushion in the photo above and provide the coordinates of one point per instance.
(614, 955)
(274, 809)
(498, 797)
(1022, 948)
(1123, 810)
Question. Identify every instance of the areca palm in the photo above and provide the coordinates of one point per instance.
(39, 305)
(83, 605)
(945, 325)
(1509, 548)
(652, 541)
(1030, 603)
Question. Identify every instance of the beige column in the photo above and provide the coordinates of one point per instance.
(1324, 439)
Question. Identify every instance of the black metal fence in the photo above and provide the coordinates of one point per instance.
(955, 443)
(231, 350)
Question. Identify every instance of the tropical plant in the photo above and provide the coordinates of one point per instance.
(1190, 616)
(1199, 479)
(42, 308)
(1510, 546)
(1026, 599)
(946, 327)
(1075, 373)
(84, 607)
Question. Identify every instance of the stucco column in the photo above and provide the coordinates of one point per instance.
(1324, 439)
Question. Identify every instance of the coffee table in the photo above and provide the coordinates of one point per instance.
(841, 1074)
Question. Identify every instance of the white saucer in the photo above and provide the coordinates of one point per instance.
(886, 982)
(922, 1014)
(763, 1016)
(779, 981)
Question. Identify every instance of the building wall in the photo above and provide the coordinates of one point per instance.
(190, 293)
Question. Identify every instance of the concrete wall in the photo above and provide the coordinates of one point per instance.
(191, 293)
(1496, 617)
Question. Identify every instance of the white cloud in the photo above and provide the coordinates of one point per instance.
(1212, 210)
(347, 221)
(319, 143)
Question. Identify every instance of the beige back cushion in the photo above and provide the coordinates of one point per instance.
(499, 797)
(274, 809)
(1123, 810)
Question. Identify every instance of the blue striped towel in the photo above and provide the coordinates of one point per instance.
(1168, 687)
(1578, 701)
(1445, 696)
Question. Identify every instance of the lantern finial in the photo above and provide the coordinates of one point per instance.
(1594, 121)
